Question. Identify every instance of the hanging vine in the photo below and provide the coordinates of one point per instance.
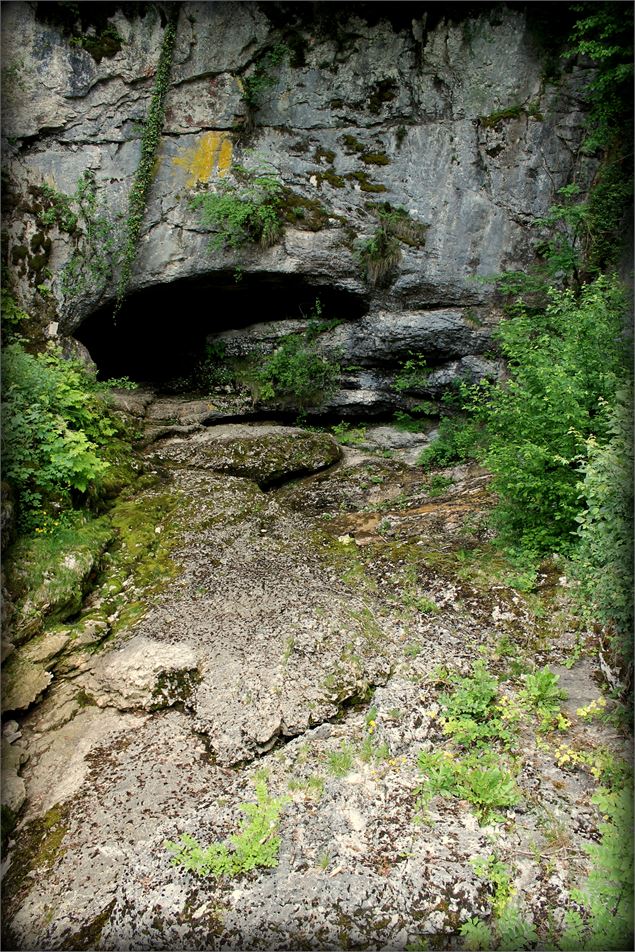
(144, 176)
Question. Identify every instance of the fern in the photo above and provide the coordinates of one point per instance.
(255, 844)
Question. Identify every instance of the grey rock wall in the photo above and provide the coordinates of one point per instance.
(419, 96)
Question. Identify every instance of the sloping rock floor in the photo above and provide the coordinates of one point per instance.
(301, 628)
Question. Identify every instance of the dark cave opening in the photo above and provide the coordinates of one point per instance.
(160, 332)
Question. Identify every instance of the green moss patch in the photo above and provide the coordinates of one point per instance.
(365, 184)
(48, 575)
(335, 181)
(271, 459)
(511, 112)
(38, 848)
(303, 212)
(375, 158)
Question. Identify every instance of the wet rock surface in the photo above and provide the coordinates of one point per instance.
(303, 631)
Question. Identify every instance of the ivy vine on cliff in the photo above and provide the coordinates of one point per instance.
(146, 170)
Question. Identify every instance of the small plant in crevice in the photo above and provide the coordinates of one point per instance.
(478, 778)
(340, 762)
(379, 257)
(262, 78)
(413, 374)
(248, 210)
(492, 870)
(416, 419)
(398, 223)
(256, 844)
(437, 485)
(96, 253)
(542, 695)
(349, 435)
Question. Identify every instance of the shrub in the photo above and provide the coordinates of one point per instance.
(606, 897)
(398, 223)
(562, 364)
(246, 211)
(413, 374)
(460, 438)
(295, 373)
(604, 559)
(53, 426)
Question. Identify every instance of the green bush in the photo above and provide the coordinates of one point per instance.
(606, 898)
(413, 374)
(562, 363)
(296, 374)
(460, 438)
(53, 426)
(246, 211)
(604, 559)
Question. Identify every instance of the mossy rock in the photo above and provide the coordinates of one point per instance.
(23, 682)
(274, 458)
(267, 455)
(48, 575)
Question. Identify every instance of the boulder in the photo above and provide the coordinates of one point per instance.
(141, 674)
(268, 455)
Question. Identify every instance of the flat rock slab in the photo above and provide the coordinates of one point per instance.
(268, 455)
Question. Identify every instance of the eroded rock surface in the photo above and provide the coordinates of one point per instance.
(304, 631)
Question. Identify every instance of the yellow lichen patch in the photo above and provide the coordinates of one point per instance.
(212, 154)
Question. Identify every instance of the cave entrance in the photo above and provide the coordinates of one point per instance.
(160, 332)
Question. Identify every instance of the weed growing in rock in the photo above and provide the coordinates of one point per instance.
(437, 485)
(340, 762)
(370, 752)
(472, 713)
(490, 868)
(542, 695)
(413, 374)
(415, 421)
(508, 931)
(477, 778)
(245, 211)
(312, 786)
(379, 257)
(349, 435)
(397, 222)
(255, 845)
(262, 79)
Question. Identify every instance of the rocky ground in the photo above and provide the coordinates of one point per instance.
(266, 605)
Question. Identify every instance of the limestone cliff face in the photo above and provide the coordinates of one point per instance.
(449, 119)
